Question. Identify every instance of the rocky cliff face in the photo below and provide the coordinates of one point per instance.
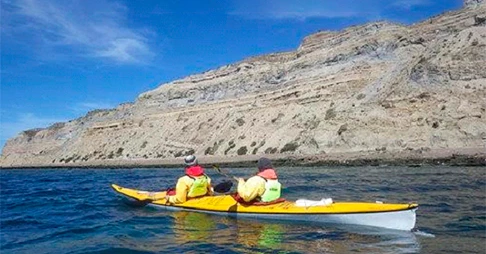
(474, 3)
(377, 87)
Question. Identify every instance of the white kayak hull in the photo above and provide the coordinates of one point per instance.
(397, 220)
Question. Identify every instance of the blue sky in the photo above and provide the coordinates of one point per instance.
(63, 58)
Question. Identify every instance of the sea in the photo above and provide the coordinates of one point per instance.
(76, 211)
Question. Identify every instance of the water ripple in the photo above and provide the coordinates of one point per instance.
(75, 211)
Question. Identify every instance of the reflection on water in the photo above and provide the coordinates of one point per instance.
(75, 211)
(248, 235)
(189, 226)
(255, 234)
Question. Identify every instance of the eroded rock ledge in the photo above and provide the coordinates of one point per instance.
(379, 88)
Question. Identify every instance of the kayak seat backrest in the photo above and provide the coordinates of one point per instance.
(240, 200)
(171, 192)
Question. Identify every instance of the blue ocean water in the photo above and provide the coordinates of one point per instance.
(75, 211)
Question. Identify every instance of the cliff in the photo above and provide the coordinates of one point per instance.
(379, 88)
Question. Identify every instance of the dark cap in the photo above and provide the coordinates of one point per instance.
(264, 163)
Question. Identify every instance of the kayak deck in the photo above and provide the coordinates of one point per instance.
(226, 203)
(402, 216)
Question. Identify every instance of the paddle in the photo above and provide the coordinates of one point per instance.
(224, 173)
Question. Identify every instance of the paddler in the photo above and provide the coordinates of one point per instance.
(193, 184)
(263, 187)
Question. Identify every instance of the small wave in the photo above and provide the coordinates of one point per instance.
(424, 234)
(16, 222)
(120, 250)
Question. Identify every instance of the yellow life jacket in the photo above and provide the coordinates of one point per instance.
(273, 190)
(199, 187)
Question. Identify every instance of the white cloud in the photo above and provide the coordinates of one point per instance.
(306, 9)
(86, 28)
(124, 50)
(409, 4)
(24, 122)
(301, 10)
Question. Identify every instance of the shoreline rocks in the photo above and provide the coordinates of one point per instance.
(443, 157)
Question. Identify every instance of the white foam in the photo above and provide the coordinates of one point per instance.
(425, 234)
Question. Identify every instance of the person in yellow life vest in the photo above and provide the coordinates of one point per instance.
(263, 187)
(194, 184)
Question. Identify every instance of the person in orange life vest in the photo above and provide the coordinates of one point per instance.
(263, 187)
(194, 184)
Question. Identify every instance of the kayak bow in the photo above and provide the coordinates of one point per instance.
(391, 216)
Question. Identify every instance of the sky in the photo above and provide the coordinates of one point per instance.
(63, 58)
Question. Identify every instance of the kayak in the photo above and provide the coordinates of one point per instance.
(390, 216)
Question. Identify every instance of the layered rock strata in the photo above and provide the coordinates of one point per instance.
(379, 88)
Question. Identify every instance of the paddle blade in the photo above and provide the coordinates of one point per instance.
(223, 187)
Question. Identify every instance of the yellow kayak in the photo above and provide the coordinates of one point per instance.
(392, 216)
